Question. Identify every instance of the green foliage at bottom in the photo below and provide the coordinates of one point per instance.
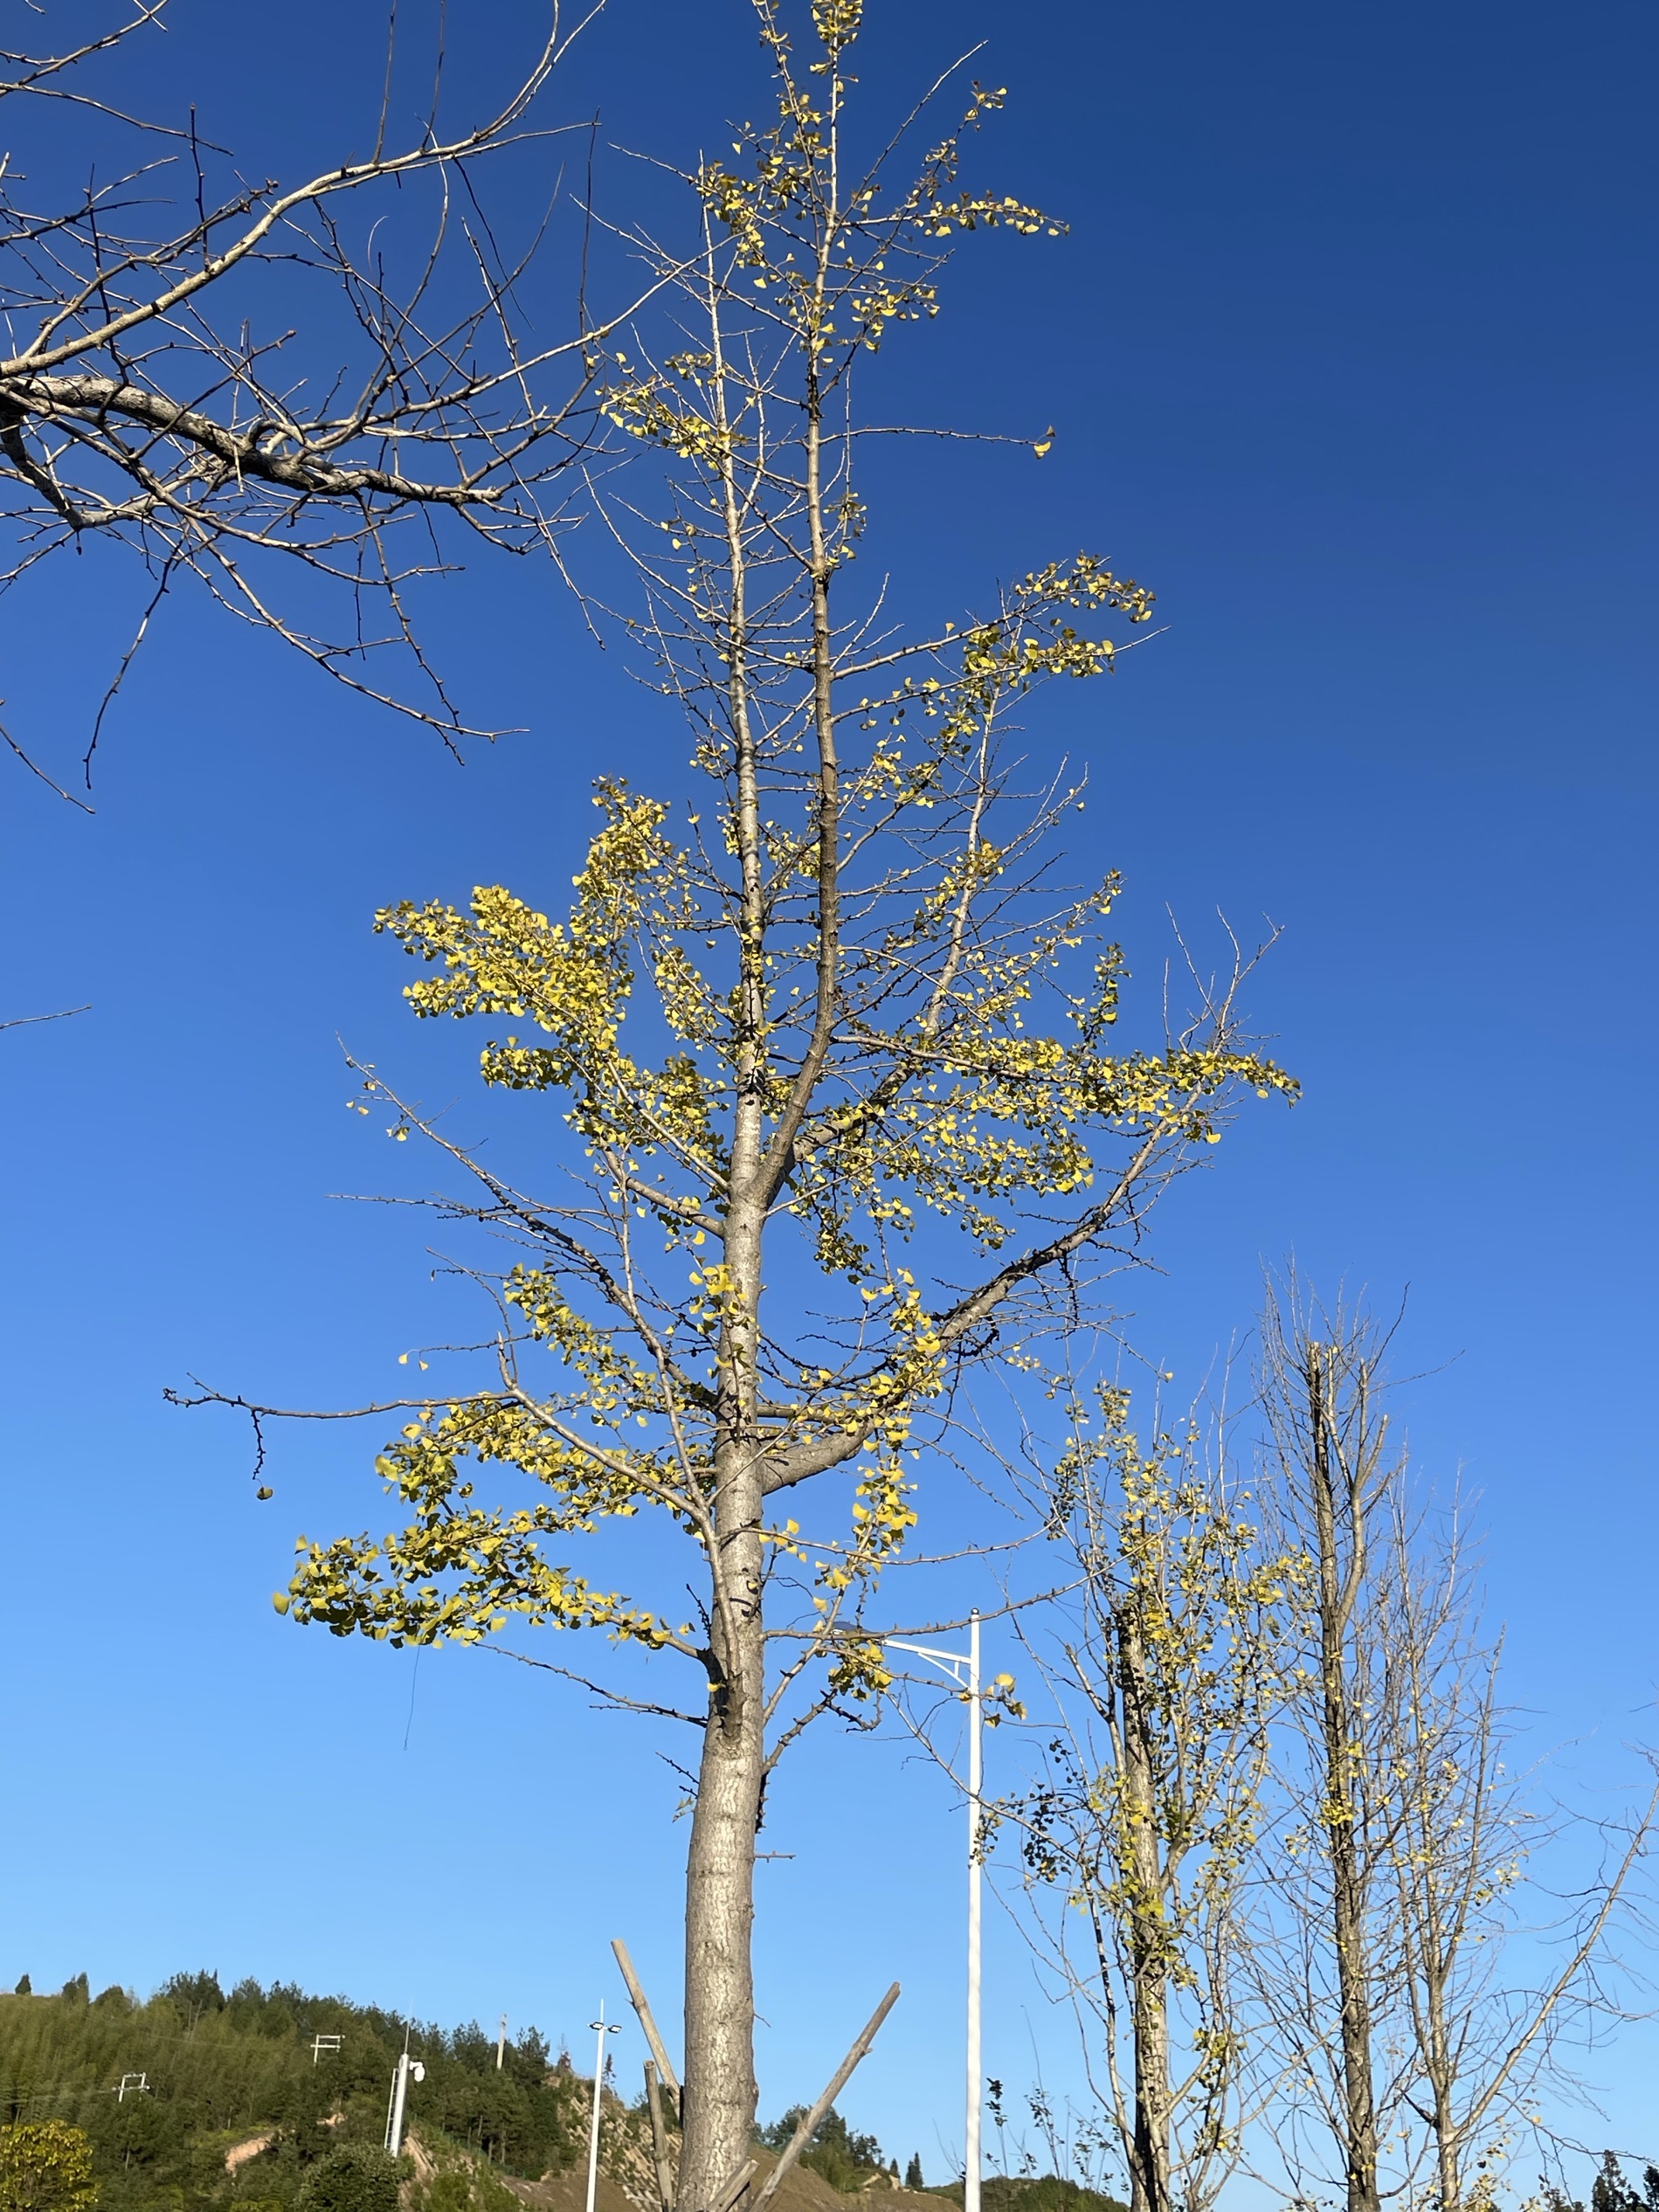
(358, 2177)
(1035, 2193)
(45, 2165)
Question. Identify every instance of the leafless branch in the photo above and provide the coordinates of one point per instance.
(242, 382)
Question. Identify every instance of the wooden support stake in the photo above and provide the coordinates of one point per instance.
(733, 2188)
(638, 1998)
(808, 2127)
(658, 2138)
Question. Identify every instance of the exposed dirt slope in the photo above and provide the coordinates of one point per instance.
(801, 2191)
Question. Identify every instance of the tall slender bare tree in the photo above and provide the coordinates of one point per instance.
(1486, 2037)
(1409, 2036)
(1330, 1968)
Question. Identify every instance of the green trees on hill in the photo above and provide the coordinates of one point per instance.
(1036, 2193)
(839, 2156)
(1609, 2192)
(164, 2089)
(355, 2177)
(131, 2107)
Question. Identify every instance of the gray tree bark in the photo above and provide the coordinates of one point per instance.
(1149, 2177)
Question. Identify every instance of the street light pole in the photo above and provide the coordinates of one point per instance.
(602, 2030)
(963, 1667)
(408, 2070)
(976, 1872)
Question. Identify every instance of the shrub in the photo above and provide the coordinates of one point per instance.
(45, 2165)
(358, 2177)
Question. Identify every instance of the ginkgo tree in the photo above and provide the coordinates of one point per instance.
(1140, 1837)
(830, 1064)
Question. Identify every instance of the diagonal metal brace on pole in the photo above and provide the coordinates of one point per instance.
(808, 2127)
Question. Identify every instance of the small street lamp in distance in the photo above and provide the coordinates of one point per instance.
(407, 2069)
(602, 2028)
(963, 1667)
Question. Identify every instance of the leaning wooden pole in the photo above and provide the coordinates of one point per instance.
(637, 1997)
(808, 2125)
(735, 2187)
(658, 2138)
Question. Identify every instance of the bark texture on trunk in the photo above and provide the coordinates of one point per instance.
(720, 1911)
(720, 1872)
(1149, 2177)
(1438, 2062)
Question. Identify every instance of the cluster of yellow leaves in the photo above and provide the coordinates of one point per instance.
(860, 1670)
(459, 1571)
(766, 207)
(614, 1389)
(837, 23)
(974, 211)
(882, 1516)
(1025, 644)
(644, 408)
(45, 2165)
(574, 981)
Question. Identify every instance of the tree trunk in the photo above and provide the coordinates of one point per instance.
(1149, 2178)
(720, 1911)
(1437, 2058)
(1348, 1926)
(1337, 1595)
(720, 1872)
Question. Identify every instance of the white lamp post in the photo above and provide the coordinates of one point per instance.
(964, 1669)
(407, 2069)
(602, 2030)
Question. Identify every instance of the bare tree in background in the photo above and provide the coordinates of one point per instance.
(1146, 1828)
(331, 376)
(1406, 2036)
(1484, 2045)
(1327, 1972)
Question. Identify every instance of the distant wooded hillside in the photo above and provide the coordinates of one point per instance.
(1033, 2192)
(197, 2101)
(165, 2088)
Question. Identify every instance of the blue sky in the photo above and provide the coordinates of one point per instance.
(1349, 354)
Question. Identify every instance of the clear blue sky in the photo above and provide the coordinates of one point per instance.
(1351, 355)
